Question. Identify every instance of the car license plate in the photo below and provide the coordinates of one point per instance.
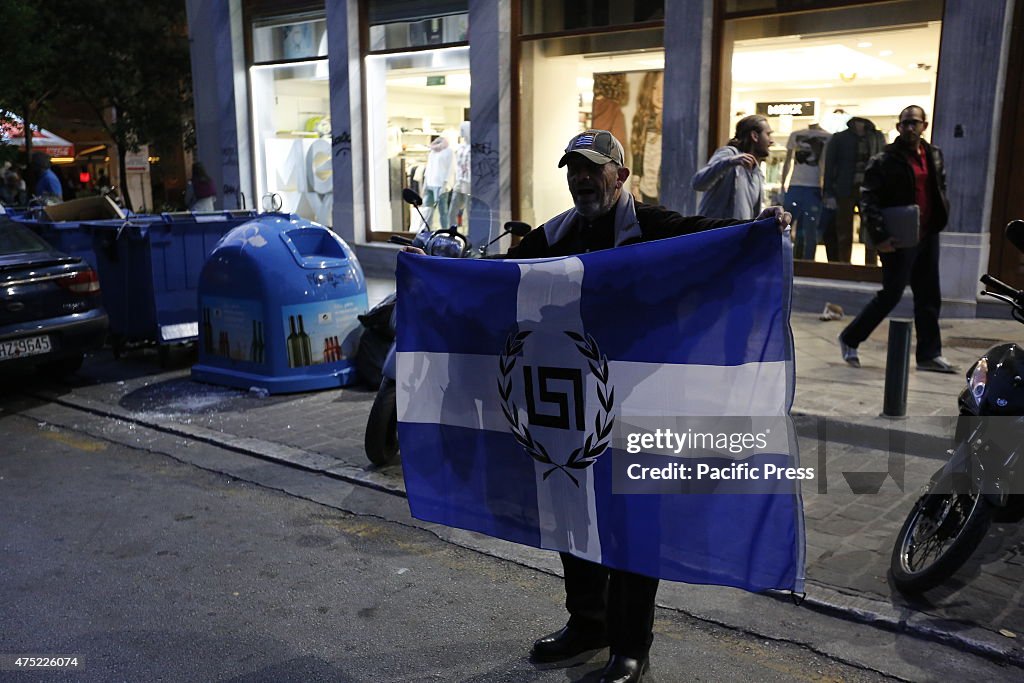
(29, 346)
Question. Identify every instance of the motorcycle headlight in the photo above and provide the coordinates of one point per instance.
(445, 245)
(979, 380)
(421, 238)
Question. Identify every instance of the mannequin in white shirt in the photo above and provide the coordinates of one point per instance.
(461, 190)
(436, 180)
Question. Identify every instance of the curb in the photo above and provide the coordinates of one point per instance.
(964, 636)
(820, 597)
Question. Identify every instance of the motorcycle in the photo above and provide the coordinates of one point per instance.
(982, 481)
(381, 438)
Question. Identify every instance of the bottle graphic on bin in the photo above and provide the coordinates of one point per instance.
(207, 332)
(256, 346)
(305, 349)
(332, 350)
(261, 347)
(293, 344)
(300, 353)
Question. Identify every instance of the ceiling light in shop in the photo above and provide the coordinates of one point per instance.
(885, 53)
(812, 63)
(864, 43)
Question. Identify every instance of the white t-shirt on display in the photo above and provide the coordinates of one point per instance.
(808, 148)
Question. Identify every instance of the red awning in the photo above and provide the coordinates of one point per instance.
(13, 133)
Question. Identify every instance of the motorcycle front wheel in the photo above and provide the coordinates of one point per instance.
(941, 532)
(381, 440)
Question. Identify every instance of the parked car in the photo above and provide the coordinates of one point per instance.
(50, 308)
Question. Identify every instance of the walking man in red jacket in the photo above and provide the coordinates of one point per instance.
(908, 173)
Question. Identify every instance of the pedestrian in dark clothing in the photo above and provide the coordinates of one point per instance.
(910, 172)
(846, 157)
(607, 607)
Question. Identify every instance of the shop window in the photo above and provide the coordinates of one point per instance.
(401, 24)
(547, 16)
(417, 110)
(280, 39)
(419, 137)
(612, 81)
(828, 80)
(291, 117)
(749, 6)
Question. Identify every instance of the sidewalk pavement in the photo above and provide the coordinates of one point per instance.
(849, 535)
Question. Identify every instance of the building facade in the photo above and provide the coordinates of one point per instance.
(330, 109)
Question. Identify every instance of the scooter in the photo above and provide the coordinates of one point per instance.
(982, 481)
(381, 438)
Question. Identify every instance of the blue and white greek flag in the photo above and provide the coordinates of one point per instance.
(547, 402)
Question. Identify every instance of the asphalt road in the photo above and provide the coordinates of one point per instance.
(150, 569)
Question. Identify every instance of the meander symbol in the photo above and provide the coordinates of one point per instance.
(597, 439)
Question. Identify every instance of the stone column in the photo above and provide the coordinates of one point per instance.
(965, 124)
(347, 135)
(490, 118)
(687, 100)
(221, 98)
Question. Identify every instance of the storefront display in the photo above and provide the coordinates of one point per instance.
(291, 117)
(814, 68)
(418, 135)
(832, 98)
(620, 91)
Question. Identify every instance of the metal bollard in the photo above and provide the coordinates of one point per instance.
(897, 369)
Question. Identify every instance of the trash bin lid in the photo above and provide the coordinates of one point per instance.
(314, 246)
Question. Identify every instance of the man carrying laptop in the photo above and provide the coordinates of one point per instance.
(904, 207)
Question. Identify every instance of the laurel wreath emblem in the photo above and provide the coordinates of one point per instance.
(597, 440)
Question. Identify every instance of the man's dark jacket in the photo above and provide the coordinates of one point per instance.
(656, 222)
(889, 181)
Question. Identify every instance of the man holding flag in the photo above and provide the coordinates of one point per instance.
(607, 606)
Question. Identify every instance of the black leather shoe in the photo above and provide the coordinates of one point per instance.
(565, 643)
(624, 670)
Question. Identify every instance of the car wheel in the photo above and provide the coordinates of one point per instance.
(62, 367)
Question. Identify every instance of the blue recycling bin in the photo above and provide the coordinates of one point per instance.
(279, 299)
(66, 236)
(149, 268)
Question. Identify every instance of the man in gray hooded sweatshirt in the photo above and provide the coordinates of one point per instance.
(732, 182)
